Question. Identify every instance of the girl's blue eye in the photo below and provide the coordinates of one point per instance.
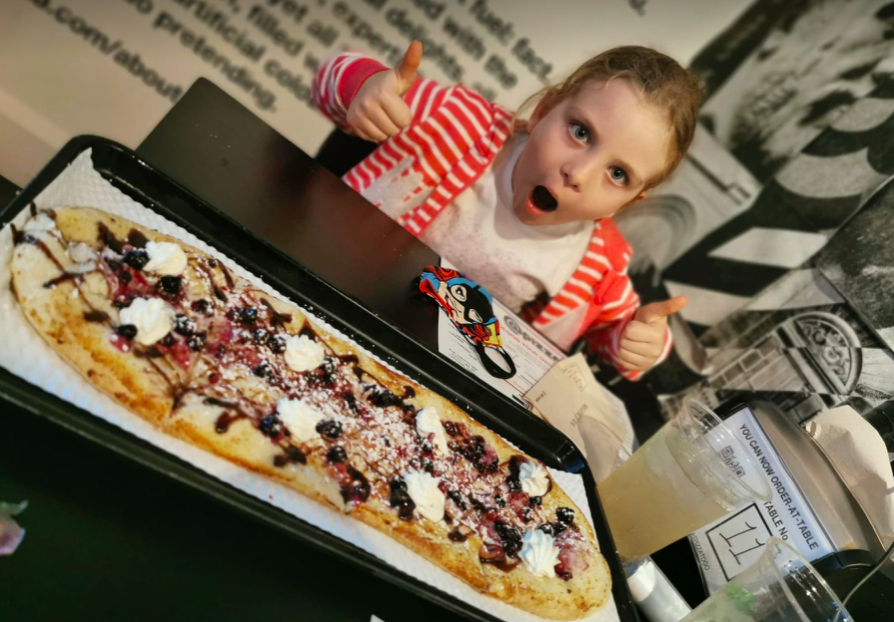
(618, 175)
(580, 132)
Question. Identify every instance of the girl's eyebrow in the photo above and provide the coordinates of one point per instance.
(579, 113)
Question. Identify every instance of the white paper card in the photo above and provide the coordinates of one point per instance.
(730, 544)
(532, 353)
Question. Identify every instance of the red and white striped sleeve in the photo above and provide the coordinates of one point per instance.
(339, 79)
(604, 334)
(337, 82)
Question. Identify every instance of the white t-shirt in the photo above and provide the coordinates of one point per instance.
(481, 235)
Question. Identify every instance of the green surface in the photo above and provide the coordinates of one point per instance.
(110, 540)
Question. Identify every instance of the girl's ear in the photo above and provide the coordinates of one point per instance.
(546, 103)
(636, 199)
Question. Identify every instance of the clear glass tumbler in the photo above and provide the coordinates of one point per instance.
(690, 473)
(780, 586)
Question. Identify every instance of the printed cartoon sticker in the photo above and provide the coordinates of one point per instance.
(470, 307)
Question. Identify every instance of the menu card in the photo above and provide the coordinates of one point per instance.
(569, 398)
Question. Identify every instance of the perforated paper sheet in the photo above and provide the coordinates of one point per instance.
(25, 354)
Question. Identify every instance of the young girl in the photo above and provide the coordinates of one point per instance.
(524, 207)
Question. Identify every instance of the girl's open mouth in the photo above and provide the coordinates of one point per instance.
(543, 199)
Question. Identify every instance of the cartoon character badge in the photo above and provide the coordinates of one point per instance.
(470, 307)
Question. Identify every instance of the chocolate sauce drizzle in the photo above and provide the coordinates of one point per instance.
(136, 239)
(96, 316)
(109, 239)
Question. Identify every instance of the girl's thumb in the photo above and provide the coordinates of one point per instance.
(406, 71)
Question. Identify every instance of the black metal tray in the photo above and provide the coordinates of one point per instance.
(127, 172)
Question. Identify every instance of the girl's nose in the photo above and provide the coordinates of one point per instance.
(571, 178)
(577, 171)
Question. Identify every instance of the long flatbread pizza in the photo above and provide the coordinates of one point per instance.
(205, 356)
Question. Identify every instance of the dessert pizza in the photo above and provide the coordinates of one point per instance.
(205, 356)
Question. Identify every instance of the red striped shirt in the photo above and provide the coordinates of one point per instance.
(453, 136)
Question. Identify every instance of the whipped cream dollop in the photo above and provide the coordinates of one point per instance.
(81, 253)
(303, 353)
(152, 317)
(427, 423)
(539, 553)
(84, 257)
(533, 478)
(165, 258)
(300, 417)
(40, 222)
(423, 490)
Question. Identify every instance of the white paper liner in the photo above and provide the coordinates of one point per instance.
(25, 354)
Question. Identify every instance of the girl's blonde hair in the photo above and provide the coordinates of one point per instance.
(662, 82)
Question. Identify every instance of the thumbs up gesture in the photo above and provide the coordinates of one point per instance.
(643, 339)
(378, 110)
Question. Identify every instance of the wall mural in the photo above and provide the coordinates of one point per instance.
(777, 225)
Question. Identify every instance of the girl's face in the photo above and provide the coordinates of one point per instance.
(589, 155)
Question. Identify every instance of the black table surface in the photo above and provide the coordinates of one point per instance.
(219, 150)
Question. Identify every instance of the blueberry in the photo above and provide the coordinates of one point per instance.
(428, 465)
(427, 447)
(260, 335)
(513, 483)
(547, 528)
(565, 515)
(401, 500)
(171, 284)
(125, 277)
(535, 501)
(128, 331)
(337, 454)
(202, 306)
(511, 537)
(183, 325)
(350, 402)
(262, 370)
(248, 315)
(501, 502)
(270, 426)
(168, 340)
(277, 344)
(527, 515)
(196, 341)
(330, 428)
(457, 497)
(452, 428)
(136, 258)
(383, 398)
(358, 489)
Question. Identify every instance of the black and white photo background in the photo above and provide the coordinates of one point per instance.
(817, 58)
(859, 261)
(801, 345)
(738, 227)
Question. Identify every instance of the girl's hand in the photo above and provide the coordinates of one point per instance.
(643, 339)
(378, 110)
